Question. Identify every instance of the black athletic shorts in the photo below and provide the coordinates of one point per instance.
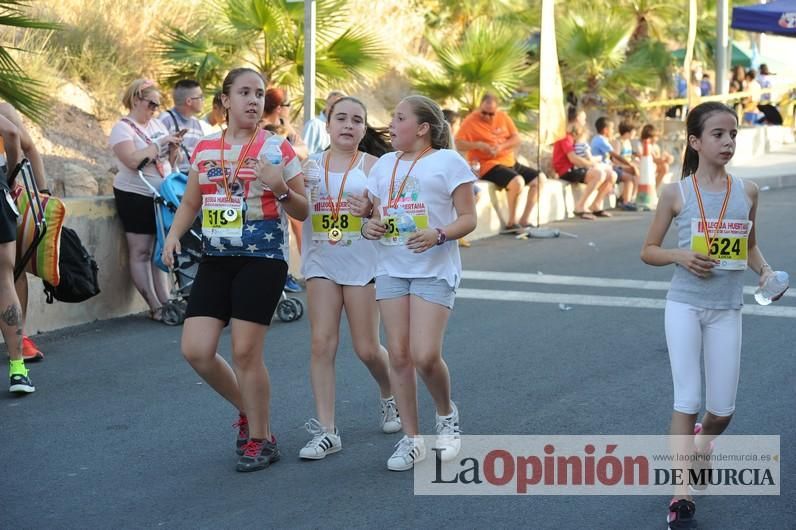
(501, 175)
(237, 287)
(136, 211)
(576, 175)
(8, 215)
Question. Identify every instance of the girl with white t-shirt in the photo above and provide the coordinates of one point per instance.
(340, 266)
(417, 274)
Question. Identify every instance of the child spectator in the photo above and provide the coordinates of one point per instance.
(623, 171)
(662, 160)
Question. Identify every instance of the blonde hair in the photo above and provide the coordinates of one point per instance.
(427, 111)
(140, 88)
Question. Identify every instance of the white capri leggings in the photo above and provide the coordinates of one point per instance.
(690, 331)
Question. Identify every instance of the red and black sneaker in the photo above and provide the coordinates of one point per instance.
(681, 514)
(258, 454)
(243, 433)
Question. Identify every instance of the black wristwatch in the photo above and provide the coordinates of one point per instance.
(283, 197)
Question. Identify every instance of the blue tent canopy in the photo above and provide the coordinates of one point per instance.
(777, 16)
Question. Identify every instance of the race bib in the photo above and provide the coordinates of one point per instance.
(419, 214)
(325, 227)
(730, 242)
(222, 217)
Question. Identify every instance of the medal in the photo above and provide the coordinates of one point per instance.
(392, 202)
(230, 214)
(335, 234)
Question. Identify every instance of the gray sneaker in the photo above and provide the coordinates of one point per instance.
(258, 455)
(21, 384)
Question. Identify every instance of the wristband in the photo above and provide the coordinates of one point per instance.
(283, 197)
(45, 191)
(441, 236)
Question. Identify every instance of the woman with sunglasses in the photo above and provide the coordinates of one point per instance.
(140, 141)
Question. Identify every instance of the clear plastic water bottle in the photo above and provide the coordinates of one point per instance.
(405, 224)
(312, 176)
(273, 149)
(775, 285)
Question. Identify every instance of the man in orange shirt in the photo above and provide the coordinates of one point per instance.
(489, 137)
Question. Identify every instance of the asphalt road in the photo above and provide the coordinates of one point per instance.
(122, 433)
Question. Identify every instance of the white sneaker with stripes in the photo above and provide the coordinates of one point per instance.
(408, 450)
(323, 442)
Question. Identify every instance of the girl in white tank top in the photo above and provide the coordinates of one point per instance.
(339, 265)
(715, 218)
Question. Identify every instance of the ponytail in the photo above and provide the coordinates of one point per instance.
(690, 161)
(376, 142)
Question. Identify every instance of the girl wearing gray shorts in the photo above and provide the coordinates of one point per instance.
(417, 272)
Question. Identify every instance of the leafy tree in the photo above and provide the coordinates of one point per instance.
(268, 35)
(16, 87)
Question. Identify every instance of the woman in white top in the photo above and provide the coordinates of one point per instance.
(139, 141)
(417, 274)
(340, 267)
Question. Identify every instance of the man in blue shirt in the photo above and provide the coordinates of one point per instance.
(626, 172)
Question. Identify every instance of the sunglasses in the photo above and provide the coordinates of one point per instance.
(487, 114)
(196, 98)
(285, 105)
(153, 105)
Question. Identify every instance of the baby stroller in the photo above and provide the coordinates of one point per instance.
(186, 264)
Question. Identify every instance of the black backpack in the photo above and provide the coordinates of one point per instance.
(78, 271)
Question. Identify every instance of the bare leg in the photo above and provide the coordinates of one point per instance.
(12, 319)
(512, 196)
(602, 192)
(427, 327)
(592, 179)
(535, 190)
(363, 321)
(395, 313)
(199, 344)
(325, 302)
(160, 281)
(139, 248)
(248, 339)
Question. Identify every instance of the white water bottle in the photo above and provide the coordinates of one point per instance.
(312, 176)
(273, 149)
(775, 285)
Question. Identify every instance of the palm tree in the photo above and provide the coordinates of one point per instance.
(16, 87)
(489, 57)
(596, 59)
(268, 35)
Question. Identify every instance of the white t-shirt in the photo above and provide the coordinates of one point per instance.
(429, 188)
(127, 179)
(347, 262)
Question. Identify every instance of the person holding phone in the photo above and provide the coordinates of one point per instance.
(182, 119)
(140, 141)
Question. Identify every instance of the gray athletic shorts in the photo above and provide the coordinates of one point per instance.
(431, 290)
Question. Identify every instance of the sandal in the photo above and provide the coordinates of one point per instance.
(511, 229)
(156, 314)
(585, 215)
(602, 213)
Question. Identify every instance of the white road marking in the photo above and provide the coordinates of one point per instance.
(604, 301)
(582, 281)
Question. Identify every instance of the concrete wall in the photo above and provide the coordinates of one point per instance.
(96, 222)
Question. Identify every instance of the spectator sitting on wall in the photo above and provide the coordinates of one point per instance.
(489, 137)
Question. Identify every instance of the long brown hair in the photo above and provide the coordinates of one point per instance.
(695, 126)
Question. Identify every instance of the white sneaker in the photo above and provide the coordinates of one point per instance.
(390, 420)
(407, 452)
(448, 435)
(323, 442)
